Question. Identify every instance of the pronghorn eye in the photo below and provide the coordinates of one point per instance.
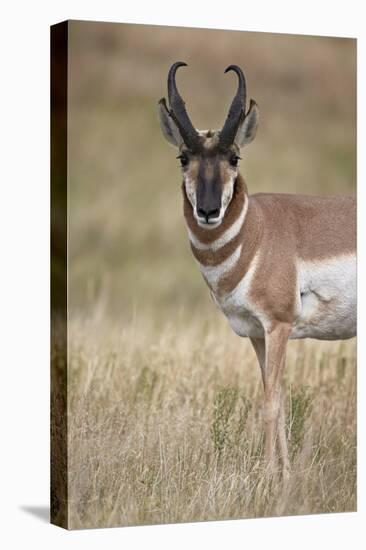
(183, 159)
(234, 160)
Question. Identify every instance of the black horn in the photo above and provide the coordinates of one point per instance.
(178, 111)
(236, 112)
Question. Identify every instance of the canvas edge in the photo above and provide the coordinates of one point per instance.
(58, 359)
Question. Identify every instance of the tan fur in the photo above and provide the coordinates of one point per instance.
(314, 227)
(311, 228)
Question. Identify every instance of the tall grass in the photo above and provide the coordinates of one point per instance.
(165, 426)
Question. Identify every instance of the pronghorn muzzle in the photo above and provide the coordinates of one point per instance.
(208, 194)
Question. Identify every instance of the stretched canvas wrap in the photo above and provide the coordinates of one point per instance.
(203, 241)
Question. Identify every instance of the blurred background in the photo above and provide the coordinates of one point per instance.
(128, 249)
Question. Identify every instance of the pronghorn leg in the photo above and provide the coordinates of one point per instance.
(282, 438)
(274, 417)
(260, 351)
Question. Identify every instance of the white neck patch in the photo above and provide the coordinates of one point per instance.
(213, 274)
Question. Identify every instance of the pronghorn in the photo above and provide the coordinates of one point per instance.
(278, 266)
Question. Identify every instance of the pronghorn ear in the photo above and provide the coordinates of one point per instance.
(248, 128)
(168, 126)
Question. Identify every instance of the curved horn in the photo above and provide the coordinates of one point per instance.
(237, 110)
(178, 111)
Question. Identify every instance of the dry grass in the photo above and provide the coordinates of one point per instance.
(165, 426)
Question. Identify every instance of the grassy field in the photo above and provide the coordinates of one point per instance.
(164, 401)
(165, 425)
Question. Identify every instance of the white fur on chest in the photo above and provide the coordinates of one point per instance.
(327, 305)
(238, 308)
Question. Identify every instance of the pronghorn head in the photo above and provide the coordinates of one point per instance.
(209, 159)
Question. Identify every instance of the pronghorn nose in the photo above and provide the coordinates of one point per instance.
(208, 214)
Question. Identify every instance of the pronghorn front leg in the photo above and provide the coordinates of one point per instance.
(282, 439)
(275, 358)
(271, 354)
